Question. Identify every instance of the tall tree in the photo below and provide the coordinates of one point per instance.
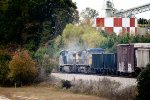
(59, 13)
(142, 21)
(23, 20)
(88, 15)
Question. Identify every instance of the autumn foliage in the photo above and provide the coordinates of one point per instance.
(22, 67)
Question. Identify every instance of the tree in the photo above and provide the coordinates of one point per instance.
(4, 66)
(22, 68)
(3, 5)
(59, 13)
(80, 37)
(143, 86)
(23, 21)
(92, 39)
(142, 21)
(88, 15)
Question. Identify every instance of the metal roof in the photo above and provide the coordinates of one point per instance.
(137, 45)
(142, 45)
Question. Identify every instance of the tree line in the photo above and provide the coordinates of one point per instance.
(143, 21)
(26, 27)
(34, 21)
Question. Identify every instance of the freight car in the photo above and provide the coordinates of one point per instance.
(132, 58)
(104, 63)
(129, 59)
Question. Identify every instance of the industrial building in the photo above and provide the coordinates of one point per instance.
(121, 22)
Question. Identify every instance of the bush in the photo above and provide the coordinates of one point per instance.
(49, 63)
(144, 84)
(4, 68)
(46, 62)
(89, 36)
(127, 93)
(66, 84)
(39, 55)
(105, 88)
(102, 88)
(22, 68)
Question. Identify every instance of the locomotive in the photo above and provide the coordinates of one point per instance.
(129, 59)
(80, 62)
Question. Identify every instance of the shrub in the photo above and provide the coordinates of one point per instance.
(143, 86)
(4, 68)
(49, 63)
(22, 67)
(40, 54)
(46, 63)
(103, 88)
(66, 84)
(47, 66)
(127, 93)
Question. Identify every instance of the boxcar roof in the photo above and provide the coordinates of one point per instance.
(125, 44)
(142, 45)
(137, 45)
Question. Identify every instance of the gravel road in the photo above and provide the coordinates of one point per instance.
(125, 82)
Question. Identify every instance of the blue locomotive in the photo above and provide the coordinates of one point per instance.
(92, 60)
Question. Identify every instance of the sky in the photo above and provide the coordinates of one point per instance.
(118, 4)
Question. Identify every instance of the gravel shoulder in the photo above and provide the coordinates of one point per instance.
(125, 82)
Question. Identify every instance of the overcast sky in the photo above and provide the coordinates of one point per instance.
(119, 4)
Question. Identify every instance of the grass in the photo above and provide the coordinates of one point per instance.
(104, 88)
(55, 89)
(43, 93)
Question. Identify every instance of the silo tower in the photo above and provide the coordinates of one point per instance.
(109, 8)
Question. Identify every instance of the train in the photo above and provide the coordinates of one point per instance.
(129, 59)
